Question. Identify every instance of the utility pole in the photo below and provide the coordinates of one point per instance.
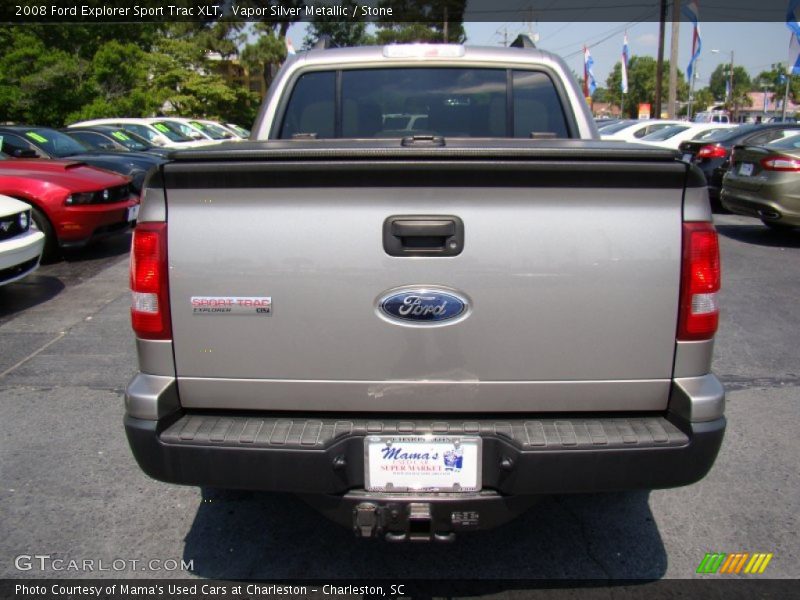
(730, 82)
(695, 75)
(672, 108)
(660, 64)
(786, 94)
(446, 37)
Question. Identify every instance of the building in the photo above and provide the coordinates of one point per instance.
(236, 74)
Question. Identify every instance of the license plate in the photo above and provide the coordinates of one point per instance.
(423, 463)
(746, 169)
(687, 157)
(133, 213)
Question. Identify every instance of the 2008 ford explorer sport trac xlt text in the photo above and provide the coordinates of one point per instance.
(420, 324)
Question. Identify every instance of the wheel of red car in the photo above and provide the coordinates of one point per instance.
(51, 250)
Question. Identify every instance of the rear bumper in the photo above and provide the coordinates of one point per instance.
(755, 204)
(530, 456)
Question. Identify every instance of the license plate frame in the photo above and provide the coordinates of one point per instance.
(397, 463)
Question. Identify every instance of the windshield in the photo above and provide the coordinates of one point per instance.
(54, 142)
(240, 130)
(171, 131)
(723, 135)
(615, 127)
(212, 131)
(130, 140)
(665, 133)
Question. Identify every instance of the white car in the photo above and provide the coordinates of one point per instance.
(673, 136)
(154, 130)
(211, 129)
(634, 131)
(21, 243)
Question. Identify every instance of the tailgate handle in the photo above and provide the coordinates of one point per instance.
(423, 235)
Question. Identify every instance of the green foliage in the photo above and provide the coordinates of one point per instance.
(38, 85)
(641, 84)
(741, 84)
(772, 81)
(265, 54)
(703, 98)
(424, 22)
(343, 34)
(60, 73)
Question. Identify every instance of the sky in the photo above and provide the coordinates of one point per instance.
(755, 46)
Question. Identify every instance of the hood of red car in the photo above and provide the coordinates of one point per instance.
(74, 176)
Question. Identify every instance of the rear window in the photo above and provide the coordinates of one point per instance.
(400, 102)
(787, 143)
(665, 133)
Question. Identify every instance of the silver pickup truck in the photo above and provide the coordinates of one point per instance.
(424, 294)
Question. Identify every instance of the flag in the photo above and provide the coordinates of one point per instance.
(690, 11)
(626, 55)
(289, 47)
(590, 85)
(793, 67)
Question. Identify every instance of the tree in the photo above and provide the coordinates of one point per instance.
(342, 33)
(774, 80)
(425, 21)
(39, 85)
(703, 98)
(741, 85)
(641, 84)
(266, 53)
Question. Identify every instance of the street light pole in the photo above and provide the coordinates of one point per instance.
(730, 79)
(695, 75)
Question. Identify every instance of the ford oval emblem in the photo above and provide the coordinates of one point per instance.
(423, 306)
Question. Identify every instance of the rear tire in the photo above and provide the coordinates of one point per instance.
(51, 252)
(777, 226)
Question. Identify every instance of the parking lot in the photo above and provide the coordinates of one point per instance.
(70, 488)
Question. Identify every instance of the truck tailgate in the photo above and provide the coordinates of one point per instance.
(570, 270)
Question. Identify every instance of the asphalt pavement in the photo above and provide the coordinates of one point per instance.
(70, 489)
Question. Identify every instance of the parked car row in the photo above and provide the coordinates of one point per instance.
(66, 188)
(171, 132)
(751, 169)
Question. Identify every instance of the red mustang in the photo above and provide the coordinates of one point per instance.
(72, 202)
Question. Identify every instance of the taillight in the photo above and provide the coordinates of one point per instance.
(780, 163)
(712, 151)
(149, 285)
(700, 282)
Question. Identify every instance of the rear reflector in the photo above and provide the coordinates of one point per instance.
(712, 151)
(700, 283)
(149, 286)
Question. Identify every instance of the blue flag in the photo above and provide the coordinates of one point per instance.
(588, 63)
(691, 12)
(794, 43)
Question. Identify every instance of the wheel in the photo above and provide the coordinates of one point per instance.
(51, 252)
(777, 225)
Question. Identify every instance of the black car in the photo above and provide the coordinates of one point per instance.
(712, 153)
(108, 138)
(18, 141)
